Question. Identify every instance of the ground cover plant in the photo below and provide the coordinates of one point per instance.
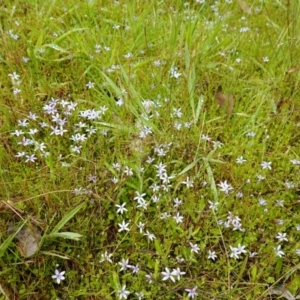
(149, 149)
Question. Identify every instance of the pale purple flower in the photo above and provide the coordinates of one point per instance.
(167, 275)
(192, 292)
(124, 263)
(178, 273)
(212, 255)
(123, 293)
(59, 276)
(266, 165)
(225, 187)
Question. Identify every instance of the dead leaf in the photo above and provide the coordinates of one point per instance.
(281, 103)
(28, 239)
(282, 292)
(291, 70)
(225, 101)
(244, 7)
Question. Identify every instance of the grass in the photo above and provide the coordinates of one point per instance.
(149, 149)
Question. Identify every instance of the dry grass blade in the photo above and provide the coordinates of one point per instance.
(3, 293)
(225, 101)
(291, 70)
(244, 7)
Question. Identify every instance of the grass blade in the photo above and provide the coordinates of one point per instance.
(66, 219)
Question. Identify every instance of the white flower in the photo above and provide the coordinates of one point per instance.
(123, 293)
(90, 85)
(295, 161)
(167, 275)
(251, 134)
(240, 160)
(192, 292)
(194, 247)
(177, 202)
(212, 255)
(281, 237)
(174, 73)
(124, 263)
(178, 218)
(205, 137)
(150, 236)
(149, 278)
(260, 177)
(253, 254)
(189, 183)
(178, 273)
(266, 165)
(20, 154)
(262, 202)
(244, 29)
(279, 203)
(115, 180)
(128, 171)
(123, 226)
(59, 276)
(106, 256)
(140, 295)
(279, 252)
(139, 197)
(235, 252)
(225, 187)
(128, 55)
(30, 158)
(121, 208)
(213, 205)
(135, 269)
(116, 166)
(141, 226)
(241, 249)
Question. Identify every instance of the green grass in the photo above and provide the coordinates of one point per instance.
(112, 88)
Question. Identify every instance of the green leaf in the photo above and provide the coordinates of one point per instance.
(253, 273)
(199, 107)
(158, 247)
(66, 219)
(66, 235)
(115, 88)
(63, 36)
(156, 269)
(188, 167)
(57, 48)
(278, 267)
(115, 281)
(211, 180)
